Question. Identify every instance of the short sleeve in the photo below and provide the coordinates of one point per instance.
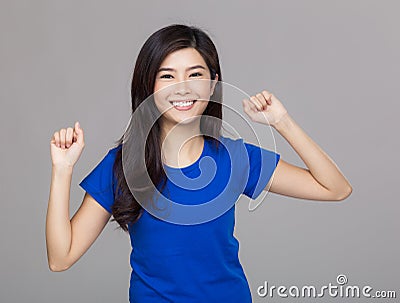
(100, 182)
(262, 164)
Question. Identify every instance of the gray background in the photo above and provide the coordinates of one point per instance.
(333, 64)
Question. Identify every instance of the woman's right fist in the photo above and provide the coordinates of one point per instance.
(66, 146)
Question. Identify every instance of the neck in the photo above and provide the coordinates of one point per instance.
(181, 144)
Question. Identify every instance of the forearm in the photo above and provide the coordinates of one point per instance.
(58, 225)
(322, 168)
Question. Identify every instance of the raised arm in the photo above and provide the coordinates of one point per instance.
(67, 240)
(322, 180)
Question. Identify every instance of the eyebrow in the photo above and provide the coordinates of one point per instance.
(169, 69)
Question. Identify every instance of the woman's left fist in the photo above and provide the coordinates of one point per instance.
(264, 108)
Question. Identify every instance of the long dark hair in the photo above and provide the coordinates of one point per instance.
(126, 209)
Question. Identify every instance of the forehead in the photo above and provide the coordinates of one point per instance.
(182, 58)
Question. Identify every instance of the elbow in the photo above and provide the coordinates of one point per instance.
(344, 194)
(54, 267)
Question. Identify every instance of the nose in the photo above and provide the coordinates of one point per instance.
(182, 88)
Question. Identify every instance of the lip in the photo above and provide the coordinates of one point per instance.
(183, 108)
(186, 100)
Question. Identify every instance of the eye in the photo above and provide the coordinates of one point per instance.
(165, 76)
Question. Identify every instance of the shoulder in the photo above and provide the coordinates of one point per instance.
(240, 149)
(115, 149)
(108, 159)
(233, 145)
(231, 142)
(231, 149)
(112, 152)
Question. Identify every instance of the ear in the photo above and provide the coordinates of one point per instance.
(213, 84)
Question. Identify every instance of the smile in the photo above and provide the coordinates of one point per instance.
(183, 105)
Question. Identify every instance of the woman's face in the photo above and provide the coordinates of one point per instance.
(183, 77)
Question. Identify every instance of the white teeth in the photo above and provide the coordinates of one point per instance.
(185, 103)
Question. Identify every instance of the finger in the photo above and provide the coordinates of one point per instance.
(68, 137)
(246, 106)
(252, 106)
(268, 96)
(262, 99)
(56, 139)
(74, 137)
(256, 102)
(80, 138)
(63, 131)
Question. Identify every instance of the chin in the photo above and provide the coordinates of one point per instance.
(187, 120)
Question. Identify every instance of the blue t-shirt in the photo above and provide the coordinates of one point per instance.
(191, 263)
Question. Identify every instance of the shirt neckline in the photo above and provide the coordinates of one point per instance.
(190, 166)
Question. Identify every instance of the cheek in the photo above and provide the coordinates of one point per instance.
(160, 95)
(202, 105)
(160, 103)
(157, 88)
(202, 87)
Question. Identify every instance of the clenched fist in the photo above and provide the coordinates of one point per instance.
(66, 146)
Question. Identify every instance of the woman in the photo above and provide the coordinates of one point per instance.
(175, 77)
